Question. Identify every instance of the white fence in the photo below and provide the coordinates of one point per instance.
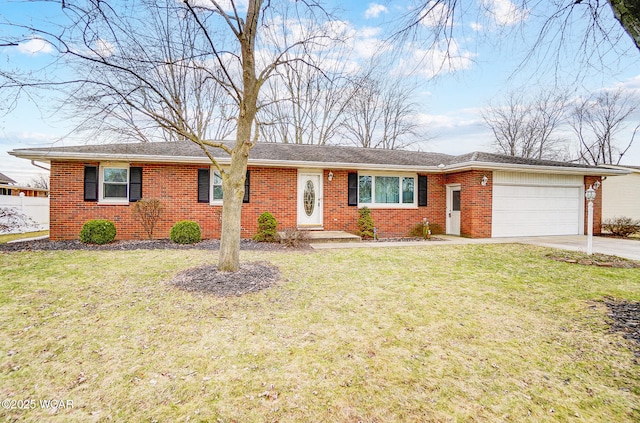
(36, 208)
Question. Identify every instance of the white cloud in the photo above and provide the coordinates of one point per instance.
(476, 26)
(445, 58)
(35, 46)
(437, 14)
(226, 5)
(104, 48)
(366, 45)
(374, 10)
(504, 12)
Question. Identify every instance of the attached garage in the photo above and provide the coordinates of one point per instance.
(537, 204)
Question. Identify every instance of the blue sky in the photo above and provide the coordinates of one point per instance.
(491, 44)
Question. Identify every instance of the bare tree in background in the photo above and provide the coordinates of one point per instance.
(526, 128)
(597, 120)
(41, 181)
(305, 99)
(380, 114)
(152, 67)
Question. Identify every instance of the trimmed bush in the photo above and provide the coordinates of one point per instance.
(622, 226)
(267, 228)
(365, 223)
(186, 232)
(98, 231)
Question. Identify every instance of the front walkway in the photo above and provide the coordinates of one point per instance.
(612, 246)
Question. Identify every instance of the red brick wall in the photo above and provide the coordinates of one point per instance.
(391, 222)
(272, 189)
(476, 202)
(597, 206)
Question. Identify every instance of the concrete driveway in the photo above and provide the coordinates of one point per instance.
(612, 246)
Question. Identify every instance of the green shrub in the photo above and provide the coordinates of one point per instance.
(98, 231)
(622, 226)
(365, 223)
(185, 232)
(267, 228)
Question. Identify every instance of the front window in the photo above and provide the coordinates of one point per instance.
(217, 186)
(364, 189)
(408, 188)
(386, 190)
(114, 183)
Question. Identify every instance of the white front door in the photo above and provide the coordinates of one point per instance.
(453, 210)
(310, 200)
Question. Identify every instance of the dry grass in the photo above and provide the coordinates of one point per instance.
(436, 333)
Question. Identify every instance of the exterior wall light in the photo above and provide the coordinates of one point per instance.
(330, 176)
(484, 181)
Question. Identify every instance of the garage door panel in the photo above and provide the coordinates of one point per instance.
(536, 210)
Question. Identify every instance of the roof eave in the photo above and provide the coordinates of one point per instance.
(515, 167)
(138, 158)
(49, 156)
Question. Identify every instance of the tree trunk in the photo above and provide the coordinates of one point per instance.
(233, 188)
(233, 180)
(627, 12)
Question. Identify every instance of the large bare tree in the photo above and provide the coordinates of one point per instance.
(380, 113)
(597, 121)
(152, 67)
(305, 99)
(526, 127)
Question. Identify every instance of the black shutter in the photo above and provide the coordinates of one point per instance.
(135, 183)
(91, 183)
(203, 185)
(247, 185)
(422, 190)
(353, 189)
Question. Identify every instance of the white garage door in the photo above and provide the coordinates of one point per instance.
(536, 204)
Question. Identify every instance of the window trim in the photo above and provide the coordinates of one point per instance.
(112, 200)
(219, 201)
(212, 177)
(400, 204)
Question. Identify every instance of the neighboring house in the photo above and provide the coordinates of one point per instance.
(319, 188)
(5, 180)
(621, 195)
(30, 202)
(8, 187)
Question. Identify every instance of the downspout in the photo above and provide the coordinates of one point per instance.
(33, 162)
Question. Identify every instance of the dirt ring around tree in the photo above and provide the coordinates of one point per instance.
(251, 277)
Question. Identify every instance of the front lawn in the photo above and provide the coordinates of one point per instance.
(435, 333)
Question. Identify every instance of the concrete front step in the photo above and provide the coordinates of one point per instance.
(314, 237)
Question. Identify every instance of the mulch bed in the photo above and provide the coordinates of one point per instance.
(252, 277)
(625, 316)
(156, 244)
(595, 259)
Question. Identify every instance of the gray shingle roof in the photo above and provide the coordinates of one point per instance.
(479, 156)
(293, 153)
(4, 179)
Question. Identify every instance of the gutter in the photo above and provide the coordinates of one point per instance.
(300, 164)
